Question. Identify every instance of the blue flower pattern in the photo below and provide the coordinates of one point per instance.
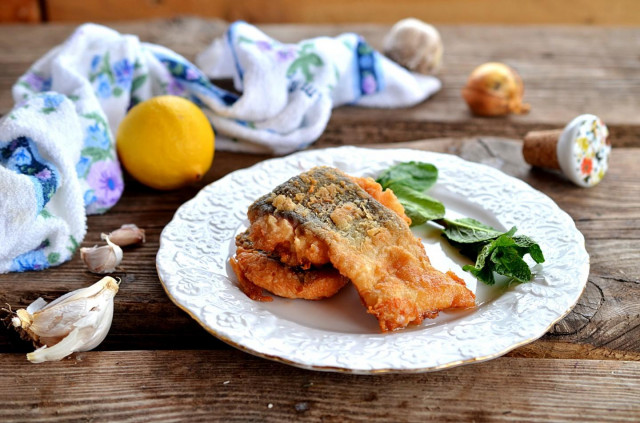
(53, 100)
(32, 260)
(103, 86)
(97, 137)
(82, 167)
(369, 75)
(21, 156)
(123, 71)
(184, 73)
(89, 197)
(95, 62)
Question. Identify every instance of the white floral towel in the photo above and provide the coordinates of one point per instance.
(57, 149)
(288, 90)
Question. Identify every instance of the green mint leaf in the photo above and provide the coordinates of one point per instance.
(484, 274)
(418, 206)
(416, 175)
(507, 261)
(492, 250)
(527, 245)
(467, 231)
(502, 255)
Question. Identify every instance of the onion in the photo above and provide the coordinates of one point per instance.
(494, 89)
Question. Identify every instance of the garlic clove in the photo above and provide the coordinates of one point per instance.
(128, 234)
(415, 45)
(77, 321)
(102, 259)
(495, 89)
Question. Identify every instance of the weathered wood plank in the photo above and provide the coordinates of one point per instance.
(20, 11)
(154, 386)
(603, 325)
(596, 12)
(567, 71)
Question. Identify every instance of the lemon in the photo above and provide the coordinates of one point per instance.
(166, 142)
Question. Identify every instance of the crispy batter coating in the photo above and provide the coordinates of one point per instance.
(264, 272)
(386, 198)
(257, 270)
(364, 240)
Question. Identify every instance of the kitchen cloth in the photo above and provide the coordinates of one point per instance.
(57, 148)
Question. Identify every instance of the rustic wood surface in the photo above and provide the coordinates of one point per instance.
(591, 12)
(566, 70)
(594, 12)
(20, 11)
(233, 386)
(157, 364)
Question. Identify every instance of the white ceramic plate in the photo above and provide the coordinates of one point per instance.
(337, 334)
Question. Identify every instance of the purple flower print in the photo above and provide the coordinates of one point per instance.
(44, 174)
(191, 75)
(285, 55)
(105, 178)
(369, 84)
(123, 71)
(37, 82)
(175, 88)
(263, 45)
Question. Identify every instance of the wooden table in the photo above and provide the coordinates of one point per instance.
(157, 364)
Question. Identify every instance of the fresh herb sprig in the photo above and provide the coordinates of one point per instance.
(492, 250)
(409, 181)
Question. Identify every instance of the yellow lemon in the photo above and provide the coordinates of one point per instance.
(166, 142)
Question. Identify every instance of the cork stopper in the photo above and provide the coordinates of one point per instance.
(540, 148)
(581, 150)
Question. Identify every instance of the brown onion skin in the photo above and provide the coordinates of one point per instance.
(494, 89)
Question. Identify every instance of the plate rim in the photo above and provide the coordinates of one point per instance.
(388, 370)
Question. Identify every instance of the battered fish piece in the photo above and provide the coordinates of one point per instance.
(272, 234)
(280, 272)
(323, 216)
(256, 270)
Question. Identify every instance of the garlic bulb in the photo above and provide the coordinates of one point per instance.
(127, 235)
(102, 259)
(494, 89)
(415, 45)
(77, 321)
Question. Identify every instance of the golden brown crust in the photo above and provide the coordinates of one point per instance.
(364, 240)
(257, 271)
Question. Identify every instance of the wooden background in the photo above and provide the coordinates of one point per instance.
(158, 364)
(591, 12)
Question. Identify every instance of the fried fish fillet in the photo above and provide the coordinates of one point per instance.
(323, 216)
(257, 270)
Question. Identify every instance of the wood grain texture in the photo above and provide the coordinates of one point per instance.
(598, 12)
(20, 11)
(567, 71)
(150, 386)
(605, 323)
